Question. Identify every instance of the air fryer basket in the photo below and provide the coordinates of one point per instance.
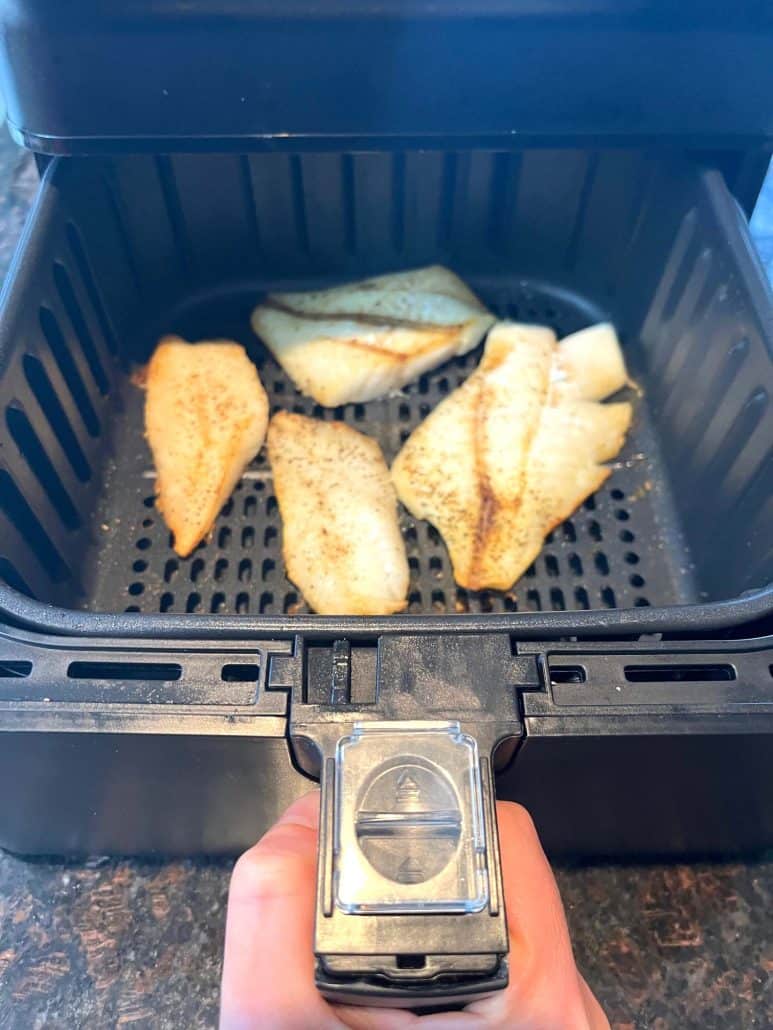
(120, 251)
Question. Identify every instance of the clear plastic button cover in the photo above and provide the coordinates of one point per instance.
(409, 834)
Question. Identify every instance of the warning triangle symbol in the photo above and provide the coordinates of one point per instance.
(410, 872)
(408, 792)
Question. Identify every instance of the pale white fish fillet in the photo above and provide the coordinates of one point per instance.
(364, 340)
(206, 414)
(341, 540)
(590, 363)
(514, 450)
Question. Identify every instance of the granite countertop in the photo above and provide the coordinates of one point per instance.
(138, 944)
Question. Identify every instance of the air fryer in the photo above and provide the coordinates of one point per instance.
(577, 165)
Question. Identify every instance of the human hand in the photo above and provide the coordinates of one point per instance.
(268, 968)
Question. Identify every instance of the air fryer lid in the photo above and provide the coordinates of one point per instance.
(157, 74)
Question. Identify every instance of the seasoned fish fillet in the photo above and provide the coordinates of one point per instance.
(511, 453)
(206, 414)
(363, 340)
(342, 545)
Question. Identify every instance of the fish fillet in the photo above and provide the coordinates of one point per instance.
(206, 414)
(513, 451)
(361, 341)
(342, 545)
(589, 364)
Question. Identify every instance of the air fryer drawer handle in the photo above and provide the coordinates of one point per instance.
(410, 908)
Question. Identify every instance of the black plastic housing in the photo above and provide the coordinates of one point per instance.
(156, 74)
(176, 748)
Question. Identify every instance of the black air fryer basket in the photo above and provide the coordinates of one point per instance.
(573, 163)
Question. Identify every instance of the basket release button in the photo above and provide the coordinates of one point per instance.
(409, 829)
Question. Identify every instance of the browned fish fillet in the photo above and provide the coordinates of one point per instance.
(366, 339)
(206, 414)
(341, 541)
(511, 453)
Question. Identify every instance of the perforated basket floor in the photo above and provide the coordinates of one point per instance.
(621, 549)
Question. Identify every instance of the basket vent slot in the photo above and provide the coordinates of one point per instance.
(14, 670)
(84, 268)
(679, 673)
(240, 673)
(78, 322)
(10, 574)
(568, 674)
(18, 511)
(161, 672)
(45, 395)
(64, 359)
(28, 442)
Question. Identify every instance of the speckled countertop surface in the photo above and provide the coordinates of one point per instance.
(137, 944)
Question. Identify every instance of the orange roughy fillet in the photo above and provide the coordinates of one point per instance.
(514, 450)
(206, 414)
(341, 540)
(361, 341)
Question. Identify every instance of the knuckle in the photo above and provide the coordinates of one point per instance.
(266, 872)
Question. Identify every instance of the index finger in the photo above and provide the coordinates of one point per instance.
(544, 989)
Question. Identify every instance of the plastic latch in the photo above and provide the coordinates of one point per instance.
(409, 894)
(408, 830)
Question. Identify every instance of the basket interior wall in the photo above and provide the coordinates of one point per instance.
(123, 250)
